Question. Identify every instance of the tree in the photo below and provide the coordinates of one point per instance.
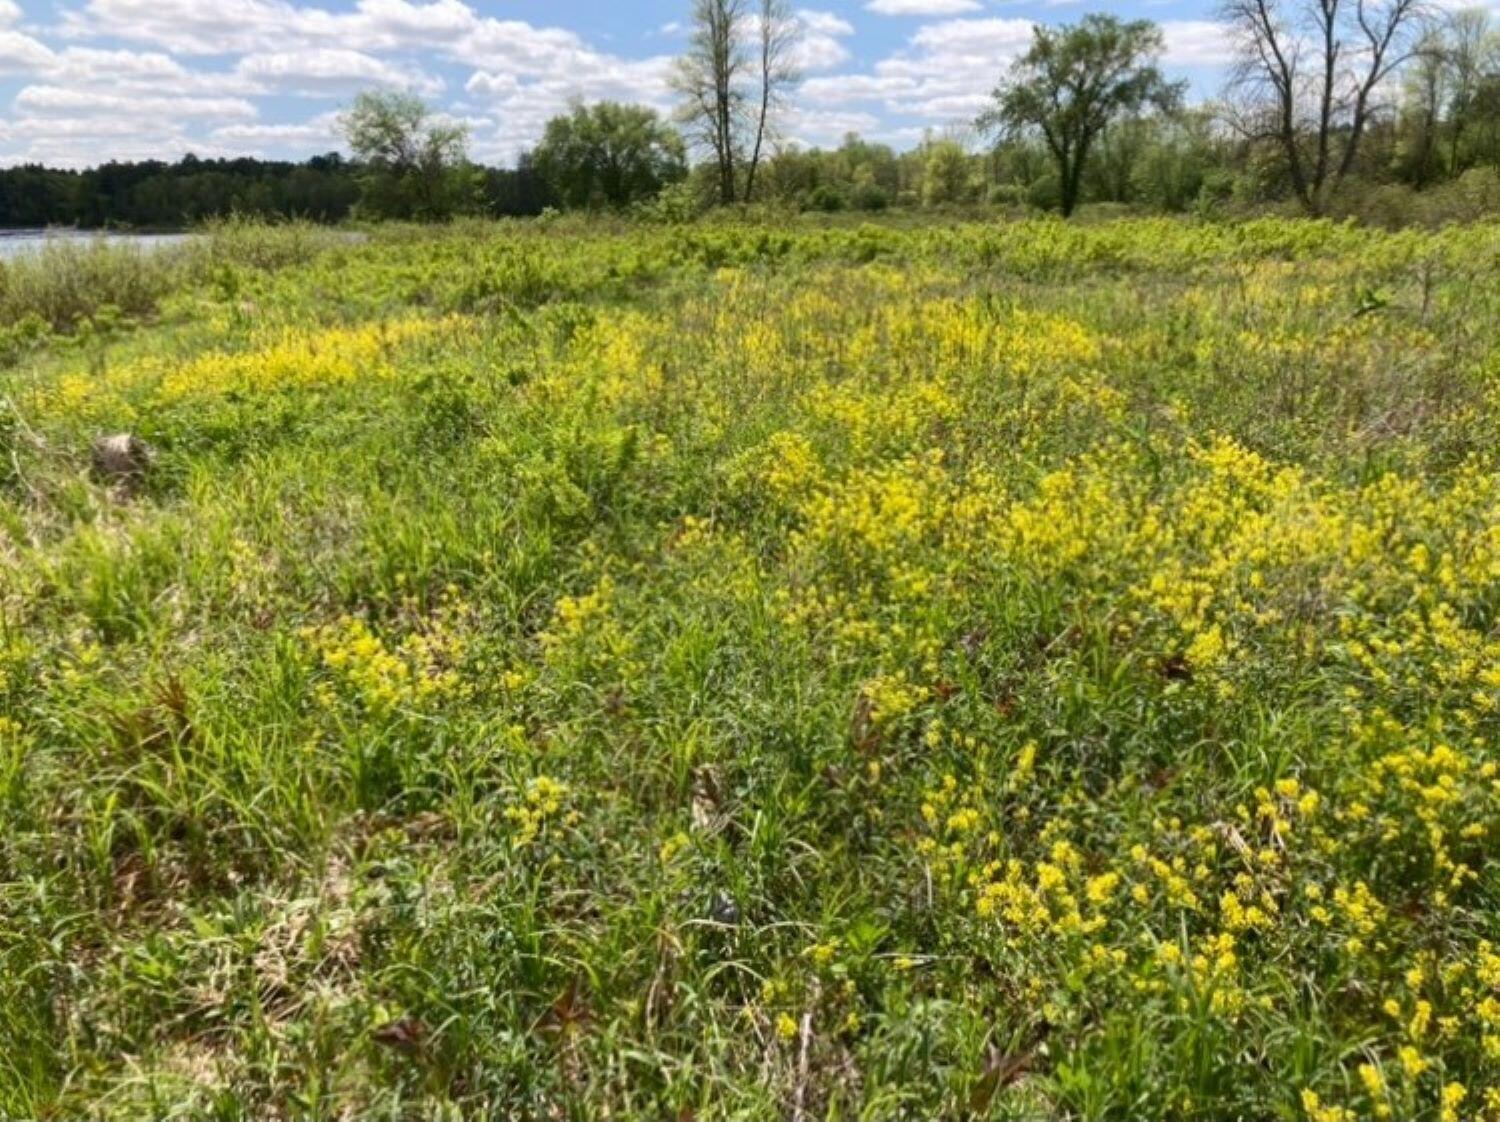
(1427, 79)
(946, 173)
(710, 80)
(414, 166)
(1073, 82)
(609, 154)
(1184, 162)
(156, 194)
(728, 99)
(777, 41)
(518, 191)
(1307, 76)
(1472, 52)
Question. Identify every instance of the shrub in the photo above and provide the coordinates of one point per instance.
(1472, 197)
(826, 198)
(1006, 195)
(65, 283)
(1045, 193)
(870, 197)
(265, 245)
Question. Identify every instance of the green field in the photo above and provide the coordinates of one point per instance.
(570, 671)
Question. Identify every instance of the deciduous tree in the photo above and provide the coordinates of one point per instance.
(414, 165)
(1307, 78)
(1073, 82)
(732, 80)
(608, 154)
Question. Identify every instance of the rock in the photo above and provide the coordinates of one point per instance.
(122, 458)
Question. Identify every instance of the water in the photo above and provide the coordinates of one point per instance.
(17, 243)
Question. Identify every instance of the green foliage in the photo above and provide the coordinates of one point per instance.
(1073, 82)
(869, 196)
(830, 668)
(153, 194)
(63, 283)
(826, 198)
(412, 166)
(858, 175)
(675, 204)
(68, 283)
(607, 154)
(946, 174)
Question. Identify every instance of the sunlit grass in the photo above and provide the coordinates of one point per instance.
(743, 672)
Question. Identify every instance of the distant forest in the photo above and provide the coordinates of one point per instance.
(163, 196)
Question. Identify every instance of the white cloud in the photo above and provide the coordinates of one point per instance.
(1196, 42)
(84, 143)
(187, 27)
(10, 13)
(320, 134)
(923, 7)
(62, 101)
(521, 107)
(21, 54)
(521, 74)
(484, 84)
(449, 28)
(944, 76)
(818, 46)
(823, 23)
(812, 129)
(974, 37)
(331, 72)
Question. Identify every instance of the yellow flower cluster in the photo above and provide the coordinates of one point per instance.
(540, 804)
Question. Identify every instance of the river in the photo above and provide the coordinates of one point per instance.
(17, 243)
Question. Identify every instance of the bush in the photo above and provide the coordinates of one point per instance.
(1045, 193)
(826, 198)
(1387, 205)
(674, 204)
(1006, 195)
(1472, 197)
(264, 245)
(870, 197)
(1215, 193)
(65, 283)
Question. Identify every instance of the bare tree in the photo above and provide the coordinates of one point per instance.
(1307, 77)
(710, 80)
(779, 33)
(733, 78)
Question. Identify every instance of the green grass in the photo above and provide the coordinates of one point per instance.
(731, 671)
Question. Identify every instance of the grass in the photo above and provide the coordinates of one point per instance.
(92, 284)
(744, 672)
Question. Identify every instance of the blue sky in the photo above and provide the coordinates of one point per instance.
(85, 81)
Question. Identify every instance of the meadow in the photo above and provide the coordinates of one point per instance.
(578, 671)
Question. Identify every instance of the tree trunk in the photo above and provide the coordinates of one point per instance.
(1067, 170)
(760, 135)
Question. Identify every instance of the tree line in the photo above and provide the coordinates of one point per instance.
(156, 195)
(1332, 105)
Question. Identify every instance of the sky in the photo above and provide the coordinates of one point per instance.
(85, 82)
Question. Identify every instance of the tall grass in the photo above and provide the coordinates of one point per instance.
(763, 672)
(66, 282)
